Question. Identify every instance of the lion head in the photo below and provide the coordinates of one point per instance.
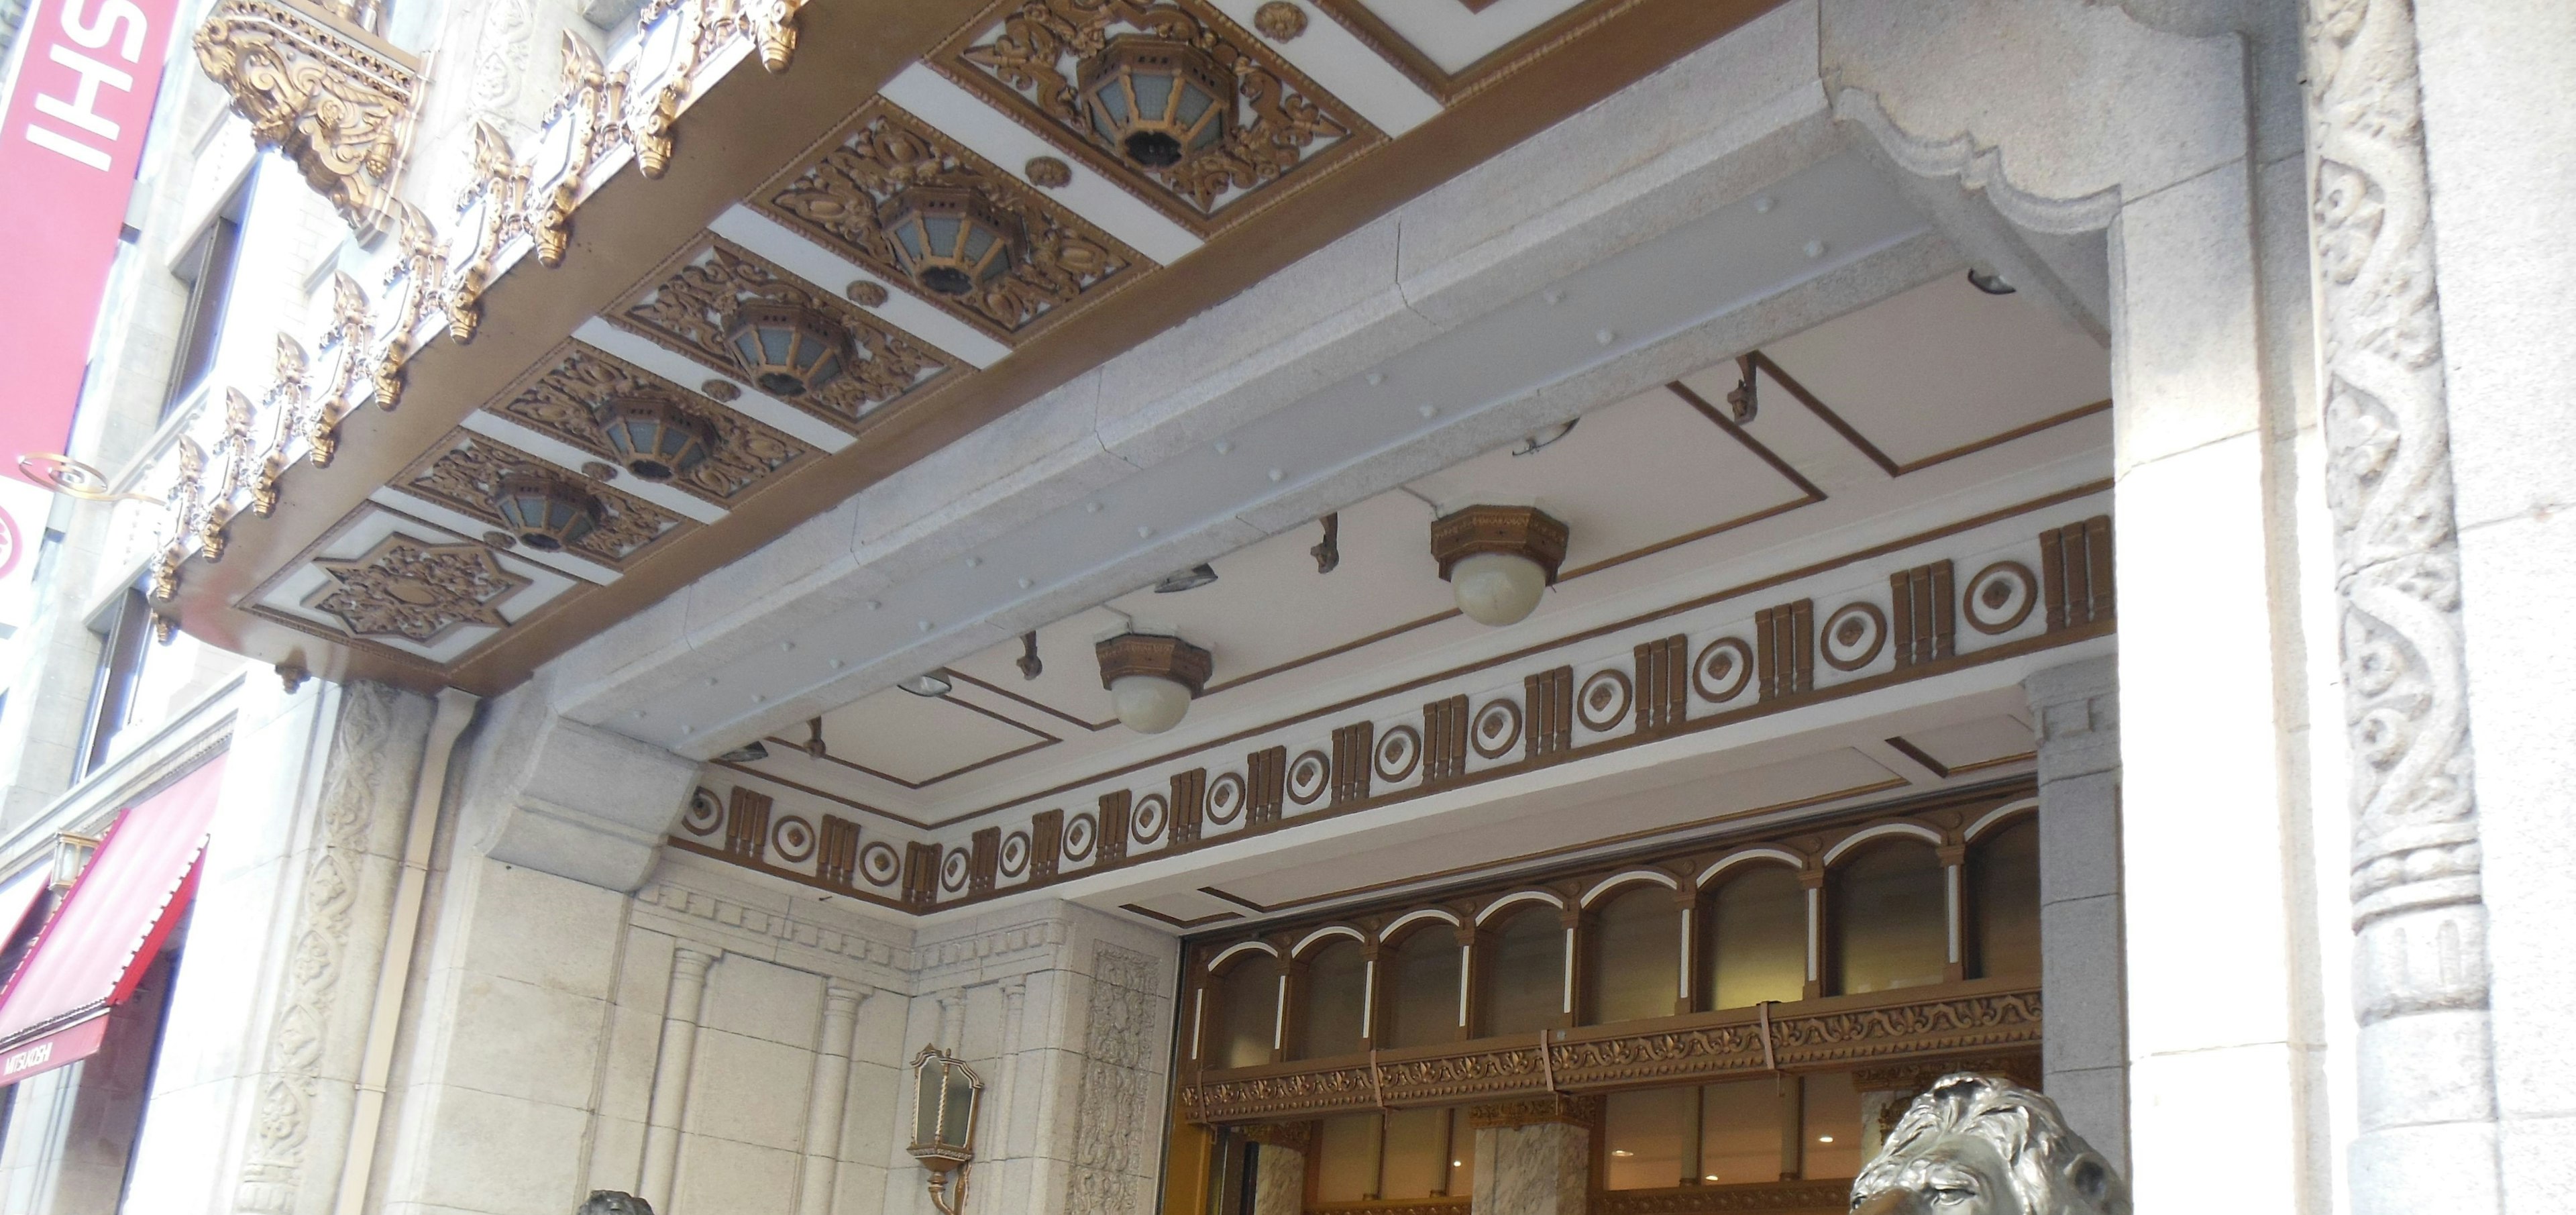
(612, 1202)
(1978, 1145)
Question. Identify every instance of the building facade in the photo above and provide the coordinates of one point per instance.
(1495, 606)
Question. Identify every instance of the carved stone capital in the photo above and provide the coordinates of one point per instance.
(333, 98)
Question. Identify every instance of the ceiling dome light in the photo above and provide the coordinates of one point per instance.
(1152, 679)
(545, 512)
(1498, 560)
(1157, 101)
(789, 350)
(951, 241)
(654, 435)
(928, 683)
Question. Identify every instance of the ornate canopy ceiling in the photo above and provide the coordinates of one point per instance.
(1134, 163)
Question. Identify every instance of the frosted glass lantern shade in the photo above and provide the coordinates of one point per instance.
(1497, 588)
(1149, 704)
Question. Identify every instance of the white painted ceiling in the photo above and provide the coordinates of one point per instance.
(1656, 494)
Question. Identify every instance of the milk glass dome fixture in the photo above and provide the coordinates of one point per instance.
(789, 350)
(951, 241)
(945, 1094)
(1498, 560)
(654, 435)
(1152, 679)
(545, 512)
(1157, 101)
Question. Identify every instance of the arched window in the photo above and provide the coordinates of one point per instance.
(1633, 942)
(1330, 997)
(1247, 1010)
(1887, 910)
(2003, 900)
(1418, 982)
(1757, 937)
(1523, 963)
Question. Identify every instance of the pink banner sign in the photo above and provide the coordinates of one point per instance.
(71, 135)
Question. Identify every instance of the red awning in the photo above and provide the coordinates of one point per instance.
(93, 952)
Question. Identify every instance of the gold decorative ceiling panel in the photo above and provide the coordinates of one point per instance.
(1052, 63)
(563, 401)
(1065, 149)
(689, 307)
(417, 589)
(465, 472)
(842, 199)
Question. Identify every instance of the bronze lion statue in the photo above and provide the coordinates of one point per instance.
(1978, 1145)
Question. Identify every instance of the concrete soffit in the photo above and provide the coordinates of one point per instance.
(2008, 173)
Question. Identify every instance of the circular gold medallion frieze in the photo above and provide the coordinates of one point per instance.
(864, 293)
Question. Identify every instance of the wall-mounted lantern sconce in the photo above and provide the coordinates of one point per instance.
(945, 1093)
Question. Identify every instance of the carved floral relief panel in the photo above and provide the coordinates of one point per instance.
(464, 473)
(689, 306)
(1283, 129)
(561, 400)
(417, 589)
(839, 197)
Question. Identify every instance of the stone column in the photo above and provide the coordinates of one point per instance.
(2427, 1093)
(1279, 1166)
(1534, 1157)
(2500, 143)
(830, 1095)
(671, 1073)
(2085, 1052)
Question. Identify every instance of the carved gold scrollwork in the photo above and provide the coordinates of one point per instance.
(413, 282)
(186, 509)
(334, 99)
(489, 212)
(235, 449)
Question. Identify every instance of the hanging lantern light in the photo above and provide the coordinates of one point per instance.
(950, 240)
(1157, 101)
(789, 350)
(545, 512)
(654, 435)
(1152, 679)
(1498, 560)
(945, 1094)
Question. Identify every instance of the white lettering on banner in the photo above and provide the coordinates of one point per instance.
(62, 146)
(33, 1056)
(110, 15)
(82, 110)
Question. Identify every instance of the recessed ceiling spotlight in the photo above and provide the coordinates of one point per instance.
(752, 754)
(1989, 282)
(1621, 1152)
(928, 683)
(1189, 579)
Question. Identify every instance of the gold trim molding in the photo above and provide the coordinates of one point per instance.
(328, 95)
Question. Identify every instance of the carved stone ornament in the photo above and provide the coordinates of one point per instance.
(838, 199)
(1158, 656)
(2418, 910)
(465, 472)
(563, 401)
(417, 590)
(331, 97)
(1032, 60)
(690, 310)
(1983, 1145)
